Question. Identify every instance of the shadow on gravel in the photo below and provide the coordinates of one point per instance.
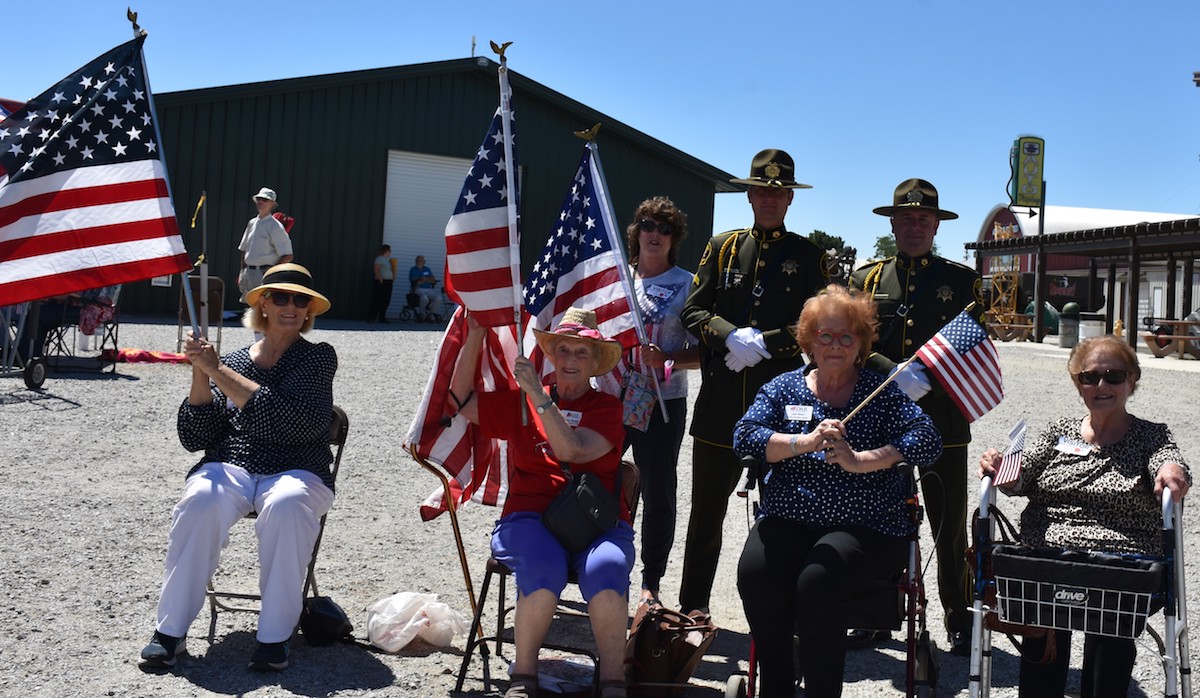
(313, 671)
(39, 398)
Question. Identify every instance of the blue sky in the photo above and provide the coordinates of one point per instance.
(862, 94)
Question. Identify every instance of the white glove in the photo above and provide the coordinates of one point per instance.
(747, 344)
(733, 363)
(912, 380)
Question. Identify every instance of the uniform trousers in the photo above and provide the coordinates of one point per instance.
(944, 486)
(715, 474)
(795, 579)
(289, 505)
(656, 453)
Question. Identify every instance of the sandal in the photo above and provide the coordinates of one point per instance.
(613, 689)
(522, 686)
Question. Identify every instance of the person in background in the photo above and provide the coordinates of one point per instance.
(660, 288)
(264, 243)
(384, 271)
(261, 415)
(1094, 483)
(423, 283)
(573, 424)
(917, 293)
(833, 508)
(748, 290)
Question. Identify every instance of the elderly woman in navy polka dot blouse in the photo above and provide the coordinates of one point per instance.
(833, 504)
(261, 414)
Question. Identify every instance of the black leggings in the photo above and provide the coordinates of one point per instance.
(1107, 667)
(795, 580)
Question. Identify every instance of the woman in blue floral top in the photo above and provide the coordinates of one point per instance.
(833, 503)
(261, 415)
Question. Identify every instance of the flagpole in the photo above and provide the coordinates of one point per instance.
(610, 226)
(891, 377)
(202, 212)
(162, 158)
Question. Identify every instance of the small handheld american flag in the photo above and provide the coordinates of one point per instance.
(1010, 463)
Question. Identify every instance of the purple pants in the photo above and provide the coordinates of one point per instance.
(538, 560)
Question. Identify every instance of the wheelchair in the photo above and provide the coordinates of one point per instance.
(1098, 593)
(892, 604)
(410, 312)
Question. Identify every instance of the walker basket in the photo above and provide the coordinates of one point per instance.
(1100, 593)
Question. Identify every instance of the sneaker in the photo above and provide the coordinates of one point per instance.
(270, 656)
(160, 654)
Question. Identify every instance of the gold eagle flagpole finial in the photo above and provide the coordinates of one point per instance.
(499, 49)
(589, 134)
(132, 17)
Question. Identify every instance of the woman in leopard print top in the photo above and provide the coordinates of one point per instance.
(1094, 484)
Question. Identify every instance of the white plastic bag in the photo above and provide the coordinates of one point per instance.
(395, 621)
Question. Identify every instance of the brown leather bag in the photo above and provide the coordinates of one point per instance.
(664, 647)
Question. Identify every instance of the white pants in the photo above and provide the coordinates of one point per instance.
(431, 300)
(289, 505)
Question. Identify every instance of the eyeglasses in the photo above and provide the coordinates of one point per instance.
(827, 338)
(1111, 376)
(281, 298)
(648, 225)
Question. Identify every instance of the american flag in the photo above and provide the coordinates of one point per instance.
(7, 106)
(582, 264)
(1010, 462)
(84, 200)
(477, 466)
(965, 362)
(482, 259)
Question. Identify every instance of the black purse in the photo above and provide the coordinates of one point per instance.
(324, 622)
(582, 511)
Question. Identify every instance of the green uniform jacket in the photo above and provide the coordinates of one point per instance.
(916, 297)
(747, 278)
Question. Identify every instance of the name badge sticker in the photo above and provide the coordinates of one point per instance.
(798, 413)
(573, 417)
(660, 292)
(1074, 447)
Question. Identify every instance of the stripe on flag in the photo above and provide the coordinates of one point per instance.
(1010, 463)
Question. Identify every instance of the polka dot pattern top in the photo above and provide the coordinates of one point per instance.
(284, 425)
(809, 490)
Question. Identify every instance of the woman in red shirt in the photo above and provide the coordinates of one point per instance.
(572, 424)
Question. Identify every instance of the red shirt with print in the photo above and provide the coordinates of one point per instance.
(535, 478)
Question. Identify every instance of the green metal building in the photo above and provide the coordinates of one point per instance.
(375, 156)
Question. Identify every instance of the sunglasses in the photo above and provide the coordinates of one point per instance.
(1111, 376)
(282, 298)
(827, 338)
(649, 225)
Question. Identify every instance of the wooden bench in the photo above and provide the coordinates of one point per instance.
(1177, 344)
(1011, 331)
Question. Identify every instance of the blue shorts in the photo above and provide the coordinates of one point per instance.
(539, 561)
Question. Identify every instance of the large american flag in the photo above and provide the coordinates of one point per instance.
(964, 360)
(477, 466)
(582, 263)
(84, 200)
(482, 259)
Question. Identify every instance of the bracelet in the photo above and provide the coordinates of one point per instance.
(792, 444)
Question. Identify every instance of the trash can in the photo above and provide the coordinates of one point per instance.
(1068, 326)
(1091, 325)
(1049, 316)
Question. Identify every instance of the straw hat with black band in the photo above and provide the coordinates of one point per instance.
(578, 323)
(772, 168)
(916, 195)
(289, 277)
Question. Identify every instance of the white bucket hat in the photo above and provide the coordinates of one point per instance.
(264, 193)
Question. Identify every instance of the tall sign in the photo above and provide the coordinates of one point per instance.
(1027, 161)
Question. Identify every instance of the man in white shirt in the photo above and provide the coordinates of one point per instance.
(264, 244)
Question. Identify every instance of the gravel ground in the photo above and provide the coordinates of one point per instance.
(93, 468)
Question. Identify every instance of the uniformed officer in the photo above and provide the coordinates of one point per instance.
(916, 294)
(745, 296)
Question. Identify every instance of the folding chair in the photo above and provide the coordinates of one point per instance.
(339, 427)
(215, 303)
(630, 480)
(63, 349)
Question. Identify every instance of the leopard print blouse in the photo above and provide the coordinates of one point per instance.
(1091, 497)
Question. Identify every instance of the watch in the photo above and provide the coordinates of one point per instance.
(541, 409)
